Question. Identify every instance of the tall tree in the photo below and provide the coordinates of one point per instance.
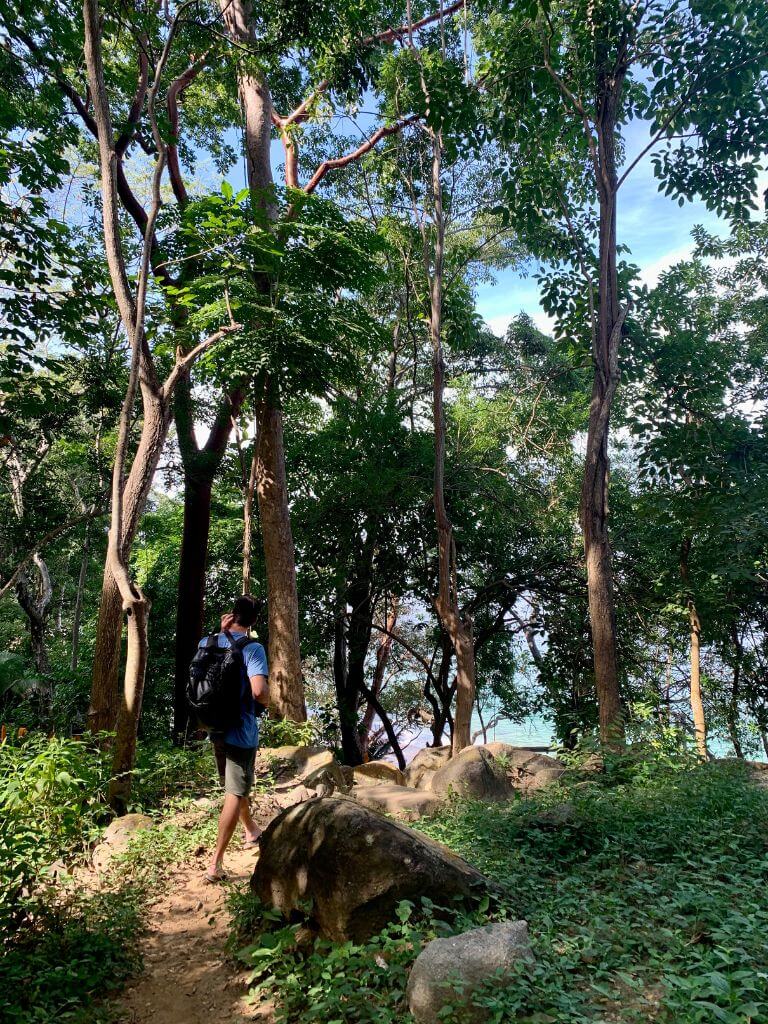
(567, 80)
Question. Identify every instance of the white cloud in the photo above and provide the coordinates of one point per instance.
(651, 272)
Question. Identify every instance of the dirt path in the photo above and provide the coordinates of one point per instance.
(188, 977)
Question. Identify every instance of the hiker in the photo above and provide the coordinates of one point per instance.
(235, 745)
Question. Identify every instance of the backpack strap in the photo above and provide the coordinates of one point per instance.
(212, 640)
(239, 642)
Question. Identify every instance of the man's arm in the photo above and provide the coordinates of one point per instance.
(260, 689)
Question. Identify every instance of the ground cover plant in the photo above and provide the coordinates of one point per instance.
(647, 900)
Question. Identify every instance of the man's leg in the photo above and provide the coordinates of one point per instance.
(227, 825)
(252, 830)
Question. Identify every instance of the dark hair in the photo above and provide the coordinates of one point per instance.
(245, 610)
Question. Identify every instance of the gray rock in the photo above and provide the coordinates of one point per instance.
(117, 836)
(425, 763)
(353, 867)
(375, 772)
(473, 773)
(313, 767)
(527, 770)
(447, 972)
(399, 801)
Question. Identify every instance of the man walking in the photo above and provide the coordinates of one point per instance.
(235, 749)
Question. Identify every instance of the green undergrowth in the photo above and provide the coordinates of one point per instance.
(64, 947)
(646, 899)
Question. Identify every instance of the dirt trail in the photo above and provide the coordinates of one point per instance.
(188, 977)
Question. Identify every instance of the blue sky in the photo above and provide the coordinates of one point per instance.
(656, 229)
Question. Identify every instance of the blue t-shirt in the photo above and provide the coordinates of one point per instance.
(246, 734)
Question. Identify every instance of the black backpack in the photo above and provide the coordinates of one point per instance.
(215, 682)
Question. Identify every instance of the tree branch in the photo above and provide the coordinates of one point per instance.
(183, 364)
(366, 147)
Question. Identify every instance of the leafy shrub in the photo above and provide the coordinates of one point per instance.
(81, 949)
(53, 794)
(280, 732)
(52, 802)
(337, 983)
(648, 903)
(163, 771)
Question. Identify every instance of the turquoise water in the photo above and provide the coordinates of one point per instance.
(534, 732)
(537, 731)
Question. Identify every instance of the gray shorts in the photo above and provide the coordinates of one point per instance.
(236, 767)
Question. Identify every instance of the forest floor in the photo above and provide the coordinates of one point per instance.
(188, 974)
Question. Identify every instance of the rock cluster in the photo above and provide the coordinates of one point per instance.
(494, 773)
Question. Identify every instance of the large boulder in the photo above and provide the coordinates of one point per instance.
(353, 867)
(447, 972)
(117, 837)
(399, 801)
(425, 763)
(375, 772)
(473, 773)
(310, 767)
(526, 770)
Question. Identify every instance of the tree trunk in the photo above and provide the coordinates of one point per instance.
(130, 706)
(697, 706)
(594, 494)
(346, 697)
(193, 557)
(446, 602)
(250, 490)
(105, 692)
(200, 467)
(440, 702)
(285, 679)
(733, 704)
(383, 651)
(35, 601)
(78, 610)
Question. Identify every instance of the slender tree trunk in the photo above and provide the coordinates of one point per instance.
(446, 602)
(440, 700)
(35, 601)
(78, 610)
(594, 494)
(201, 464)
(383, 651)
(250, 490)
(733, 704)
(346, 697)
(130, 706)
(285, 678)
(697, 706)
